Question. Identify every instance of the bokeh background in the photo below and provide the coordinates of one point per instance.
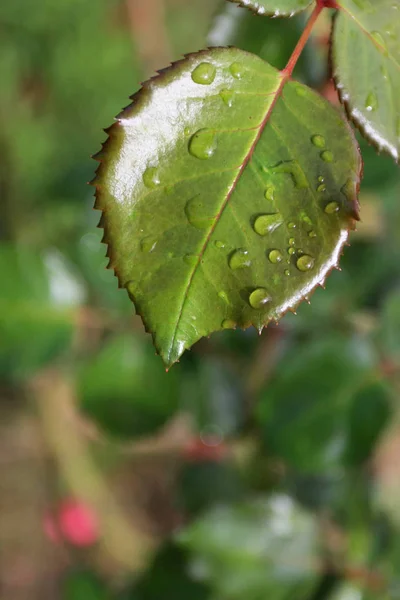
(259, 466)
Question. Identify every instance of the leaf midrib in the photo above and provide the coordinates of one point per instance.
(246, 160)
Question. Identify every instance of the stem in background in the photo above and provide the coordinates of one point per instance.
(288, 70)
(147, 24)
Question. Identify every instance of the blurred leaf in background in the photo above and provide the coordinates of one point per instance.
(282, 481)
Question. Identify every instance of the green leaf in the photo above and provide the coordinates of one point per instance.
(304, 409)
(366, 68)
(259, 549)
(271, 39)
(168, 577)
(37, 313)
(276, 8)
(84, 585)
(227, 194)
(123, 388)
(369, 414)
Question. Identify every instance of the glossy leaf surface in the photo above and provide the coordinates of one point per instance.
(277, 8)
(366, 66)
(227, 195)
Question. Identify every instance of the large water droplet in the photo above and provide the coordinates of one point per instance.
(269, 193)
(327, 156)
(239, 259)
(275, 256)
(151, 178)
(380, 42)
(331, 208)
(198, 214)
(265, 224)
(259, 298)
(191, 259)
(292, 241)
(236, 70)
(291, 251)
(321, 187)
(371, 102)
(228, 324)
(224, 296)
(293, 168)
(305, 262)
(318, 141)
(203, 144)
(148, 244)
(204, 73)
(227, 97)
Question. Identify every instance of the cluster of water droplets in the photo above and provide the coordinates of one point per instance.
(202, 145)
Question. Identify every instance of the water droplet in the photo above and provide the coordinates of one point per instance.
(312, 234)
(236, 70)
(318, 141)
(265, 224)
(291, 251)
(223, 296)
(204, 73)
(360, 3)
(321, 187)
(321, 179)
(148, 244)
(198, 214)
(275, 256)
(239, 259)
(218, 244)
(259, 298)
(331, 208)
(151, 177)
(131, 288)
(380, 41)
(227, 97)
(191, 259)
(203, 144)
(305, 218)
(293, 168)
(384, 71)
(269, 193)
(300, 90)
(287, 272)
(305, 262)
(186, 131)
(228, 324)
(291, 225)
(371, 103)
(292, 241)
(327, 156)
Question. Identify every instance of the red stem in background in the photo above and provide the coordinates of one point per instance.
(321, 4)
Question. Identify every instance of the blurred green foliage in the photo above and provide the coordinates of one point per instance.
(298, 508)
